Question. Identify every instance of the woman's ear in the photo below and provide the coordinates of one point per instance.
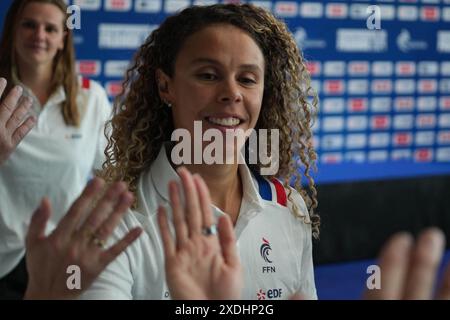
(163, 81)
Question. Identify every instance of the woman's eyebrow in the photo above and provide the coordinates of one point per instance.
(248, 66)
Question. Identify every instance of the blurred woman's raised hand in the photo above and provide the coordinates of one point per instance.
(77, 244)
(14, 122)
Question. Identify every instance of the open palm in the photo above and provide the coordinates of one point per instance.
(198, 265)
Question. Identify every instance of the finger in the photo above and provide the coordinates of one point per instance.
(444, 290)
(192, 206)
(106, 229)
(79, 208)
(17, 117)
(103, 208)
(168, 243)
(23, 130)
(393, 262)
(205, 201)
(179, 222)
(3, 84)
(112, 253)
(228, 241)
(38, 222)
(424, 263)
(9, 103)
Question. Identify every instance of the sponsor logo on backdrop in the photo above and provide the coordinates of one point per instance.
(263, 4)
(423, 155)
(406, 44)
(147, 6)
(336, 10)
(88, 4)
(407, 13)
(382, 86)
(360, 40)
(379, 140)
(356, 141)
(357, 104)
(405, 68)
(382, 68)
(445, 68)
(311, 10)
(425, 121)
(118, 5)
(304, 42)
(428, 68)
(444, 120)
(405, 86)
(113, 88)
(401, 154)
(333, 105)
(357, 123)
(332, 141)
(358, 87)
(403, 121)
(427, 86)
(314, 68)
(444, 137)
(426, 103)
(331, 124)
(429, 13)
(288, 9)
(402, 139)
(88, 67)
(355, 156)
(380, 122)
(387, 11)
(334, 68)
(444, 103)
(332, 157)
(404, 104)
(172, 6)
(358, 68)
(443, 41)
(443, 154)
(424, 138)
(116, 68)
(333, 87)
(123, 36)
(380, 104)
(378, 156)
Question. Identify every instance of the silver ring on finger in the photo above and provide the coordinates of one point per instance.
(209, 231)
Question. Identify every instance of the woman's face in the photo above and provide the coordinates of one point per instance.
(40, 34)
(218, 80)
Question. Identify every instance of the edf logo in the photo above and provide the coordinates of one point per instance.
(270, 294)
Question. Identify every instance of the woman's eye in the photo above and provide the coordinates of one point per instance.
(207, 76)
(28, 24)
(50, 29)
(247, 80)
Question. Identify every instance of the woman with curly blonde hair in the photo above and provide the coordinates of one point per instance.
(224, 68)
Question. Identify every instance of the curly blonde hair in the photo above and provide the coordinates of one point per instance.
(141, 122)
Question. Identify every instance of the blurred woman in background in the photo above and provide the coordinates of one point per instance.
(58, 155)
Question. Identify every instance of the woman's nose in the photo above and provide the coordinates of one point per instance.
(230, 92)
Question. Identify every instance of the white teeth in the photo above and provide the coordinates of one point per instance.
(229, 122)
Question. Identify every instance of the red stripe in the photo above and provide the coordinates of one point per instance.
(85, 83)
(281, 192)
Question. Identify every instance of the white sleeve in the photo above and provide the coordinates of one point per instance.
(307, 283)
(307, 287)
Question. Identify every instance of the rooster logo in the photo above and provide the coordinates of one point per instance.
(265, 250)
